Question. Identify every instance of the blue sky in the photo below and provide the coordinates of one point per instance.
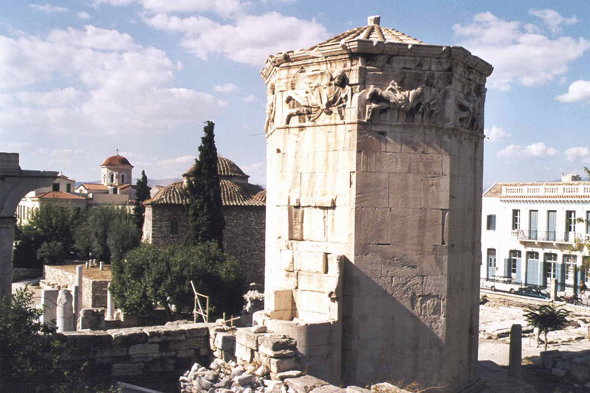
(79, 79)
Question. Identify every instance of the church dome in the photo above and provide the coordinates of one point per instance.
(225, 168)
(116, 160)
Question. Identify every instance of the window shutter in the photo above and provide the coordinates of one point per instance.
(507, 267)
(518, 270)
(560, 275)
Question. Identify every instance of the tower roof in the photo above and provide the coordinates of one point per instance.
(116, 160)
(374, 32)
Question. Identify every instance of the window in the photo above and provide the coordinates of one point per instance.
(491, 257)
(550, 260)
(112, 177)
(491, 222)
(55, 187)
(532, 255)
(174, 226)
(515, 220)
(68, 187)
(123, 179)
(569, 261)
(570, 221)
(514, 255)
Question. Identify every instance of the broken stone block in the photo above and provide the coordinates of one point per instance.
(288, 374)
(303, 384)
(276, 343)
(282, 365)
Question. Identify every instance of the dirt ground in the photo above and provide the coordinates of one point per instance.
(495, 322)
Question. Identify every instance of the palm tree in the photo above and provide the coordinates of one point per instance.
(545, 318)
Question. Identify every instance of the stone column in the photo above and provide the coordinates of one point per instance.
(110, 305)
(79, 283)
(65, 312)
(14, 184)
(49, 302)
(76, 306)
(553, 289)
(515, 357)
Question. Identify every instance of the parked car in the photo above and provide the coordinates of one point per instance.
(500, 285)
(533, 292)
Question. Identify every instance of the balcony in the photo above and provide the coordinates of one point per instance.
(578, 190)
(548, 236)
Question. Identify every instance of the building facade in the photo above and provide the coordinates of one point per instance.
(533, 232)
(243, 208)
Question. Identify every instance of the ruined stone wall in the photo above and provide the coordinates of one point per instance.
(94, 292)
(243, 238)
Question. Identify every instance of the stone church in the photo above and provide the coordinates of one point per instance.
(244, 210)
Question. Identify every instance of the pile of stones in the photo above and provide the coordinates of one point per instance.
(228, 377)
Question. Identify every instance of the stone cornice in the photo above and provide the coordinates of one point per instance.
(369, 47)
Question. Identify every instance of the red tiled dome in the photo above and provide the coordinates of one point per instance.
(116, 160)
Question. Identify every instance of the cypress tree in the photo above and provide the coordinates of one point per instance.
(204, 194)
(142, 192)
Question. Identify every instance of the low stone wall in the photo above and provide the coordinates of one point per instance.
(94, 319)
(139, 351)
(94, 292)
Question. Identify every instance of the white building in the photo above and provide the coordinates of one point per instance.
(115, 188)
(529, 230)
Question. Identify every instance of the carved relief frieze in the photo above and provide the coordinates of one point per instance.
(418, 104)
(327, 93)
(270, 108)
(470, 108)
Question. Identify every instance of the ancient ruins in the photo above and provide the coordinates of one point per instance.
(14, 184)
(374, 176)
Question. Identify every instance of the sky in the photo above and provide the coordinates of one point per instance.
(81, 79)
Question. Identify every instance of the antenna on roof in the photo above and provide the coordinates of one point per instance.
(117, 151)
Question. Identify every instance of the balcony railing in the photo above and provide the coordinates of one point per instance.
(542, 190)
(548, 236)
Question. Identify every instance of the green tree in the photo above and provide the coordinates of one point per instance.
(48, 237)
(546, 318)
(107, 232)
(151, 277)
(204, 193)
(142, 193)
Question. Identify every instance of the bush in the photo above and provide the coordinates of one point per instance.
(30, 352)
(152, 277)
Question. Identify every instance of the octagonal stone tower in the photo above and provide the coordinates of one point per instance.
(374, 176)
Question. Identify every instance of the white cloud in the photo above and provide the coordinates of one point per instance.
(519, 54)
(497, 134)
(226, 88)
(83, 15)
(222, 7)
(578, 91)
(182, 160)
(534, 150)
(249, 98)
(120, 86)
(48, 8)
(574, 154)
(250, 39)
(553, 20)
